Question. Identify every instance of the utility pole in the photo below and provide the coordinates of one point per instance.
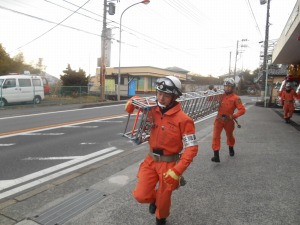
(264, 86)
(229, 64)
(236, 54)
(103, 40)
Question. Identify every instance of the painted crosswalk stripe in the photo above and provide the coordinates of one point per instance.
(56, 175)
(10, 183)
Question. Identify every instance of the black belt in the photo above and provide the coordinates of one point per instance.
(164, 158)
(223, 117)
(289, 101)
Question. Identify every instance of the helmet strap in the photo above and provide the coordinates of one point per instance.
(161, 105)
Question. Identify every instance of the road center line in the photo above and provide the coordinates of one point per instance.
(55, 126)
(62, 111)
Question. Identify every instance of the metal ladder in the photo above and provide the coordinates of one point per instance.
(196, 105)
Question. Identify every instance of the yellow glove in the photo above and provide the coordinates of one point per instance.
(171, 177)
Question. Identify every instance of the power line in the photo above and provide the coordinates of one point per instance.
(72, 11)
(48, 21)
(156, 43)
(181, 9)
(253, 16)
(51, 28)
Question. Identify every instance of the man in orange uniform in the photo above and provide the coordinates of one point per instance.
(225, 118)
(172, 131)
(287, 100)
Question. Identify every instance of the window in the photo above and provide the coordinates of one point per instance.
(140, 84)
(36, 82)
(24, 83)
(10, 83)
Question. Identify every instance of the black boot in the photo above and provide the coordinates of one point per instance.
(286, 120)
(152, 208)
(289, 120)
(231, 151)
(162, 221)
(216, 157)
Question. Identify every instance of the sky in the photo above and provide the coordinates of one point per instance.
(195, 35)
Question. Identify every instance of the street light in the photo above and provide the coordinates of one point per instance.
(120, 43)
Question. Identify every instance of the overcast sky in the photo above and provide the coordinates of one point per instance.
(195, 35)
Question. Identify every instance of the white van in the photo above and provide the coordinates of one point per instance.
(21, 88)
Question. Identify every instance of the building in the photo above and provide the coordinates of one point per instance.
(287, 49)
(134, 80)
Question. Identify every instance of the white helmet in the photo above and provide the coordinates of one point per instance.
(229, 82)
(288, 85)
(169, 84)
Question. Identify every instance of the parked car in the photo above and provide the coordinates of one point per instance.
(21, 88)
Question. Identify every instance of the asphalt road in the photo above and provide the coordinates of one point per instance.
(42, 146)
(260, 185)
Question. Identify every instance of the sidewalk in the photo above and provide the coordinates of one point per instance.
(259, 186)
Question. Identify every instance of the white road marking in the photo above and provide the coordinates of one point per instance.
(5, 145)
(88, 143)
(52, 158)
(70, 126)
(56, 127)
(42, 134)
(103, 121)
(55, 175)
(9, 183)
(64, 111)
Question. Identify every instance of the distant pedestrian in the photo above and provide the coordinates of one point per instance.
(287, 99)
(172, 147)
(225, 119)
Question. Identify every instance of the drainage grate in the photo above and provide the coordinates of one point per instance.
(64, 211)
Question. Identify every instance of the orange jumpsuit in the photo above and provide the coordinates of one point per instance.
(287, 99)
(228, 105)
(168, 133)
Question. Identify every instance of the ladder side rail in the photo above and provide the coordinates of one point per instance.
(201, 107)
(141, 128)
(210, 106)
(198, 108)
(193, 108)
(206, 107)
(189, 106)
